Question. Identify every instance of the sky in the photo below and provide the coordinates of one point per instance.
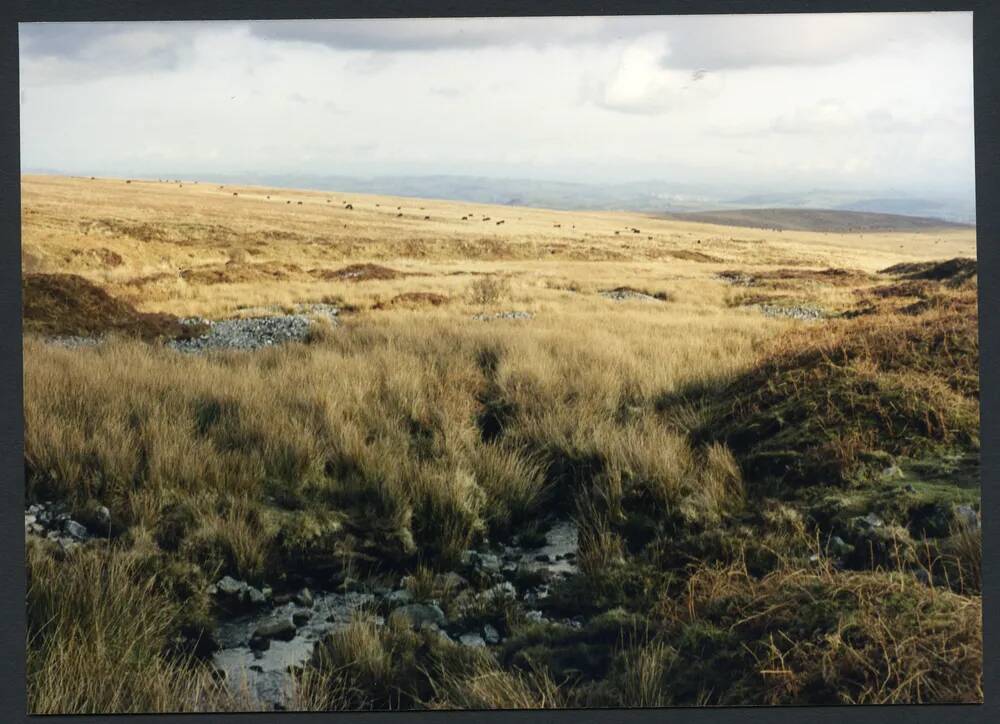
(768, 102)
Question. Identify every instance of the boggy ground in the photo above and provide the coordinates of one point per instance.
(769, 507)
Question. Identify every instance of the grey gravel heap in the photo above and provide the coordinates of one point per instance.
(51, 522)
(620, 295)
(805, 313)
(250, 333)
(484, 317)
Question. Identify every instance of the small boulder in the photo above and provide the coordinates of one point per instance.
(399, 598)
(420, 615)
(471, 639)
(280, 628)
(491, 635)
(967, 517)
(304, 598)
(74, 530)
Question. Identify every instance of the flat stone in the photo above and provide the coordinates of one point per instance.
(276, 628)
(74, 529)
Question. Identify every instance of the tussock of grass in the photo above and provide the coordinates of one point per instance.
(820, 637)
(99, 625)
(830, 400)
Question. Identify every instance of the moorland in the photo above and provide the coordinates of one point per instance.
(321, 450)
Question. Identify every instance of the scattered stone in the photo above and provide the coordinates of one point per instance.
(623, 293)
(491, 635)
(399, 598)
(868, 522)
(450, 581)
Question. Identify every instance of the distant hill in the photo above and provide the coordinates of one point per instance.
(832, 220)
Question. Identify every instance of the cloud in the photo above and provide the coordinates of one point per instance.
(431, 34)
(641, 84)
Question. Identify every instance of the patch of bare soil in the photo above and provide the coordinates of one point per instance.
(236, 272)
(358, 273)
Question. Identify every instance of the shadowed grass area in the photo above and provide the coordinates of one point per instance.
(67, 304)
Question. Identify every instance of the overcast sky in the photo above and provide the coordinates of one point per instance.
(872, 101)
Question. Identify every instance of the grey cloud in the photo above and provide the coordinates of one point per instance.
(80, 51)
(424, 34)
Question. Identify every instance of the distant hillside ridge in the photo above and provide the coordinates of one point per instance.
(832, 220)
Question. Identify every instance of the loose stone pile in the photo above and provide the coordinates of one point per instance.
(805, 313)
(51, 522)
(620, 295)
(485, 317)
(250, 333)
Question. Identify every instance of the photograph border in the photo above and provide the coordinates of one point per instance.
(986, 33)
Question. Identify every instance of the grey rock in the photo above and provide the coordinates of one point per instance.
(276, 628)
(74, 529)
(450, 581)
(229, 586)
(257, 598)
(472, 639)
(839, 547)
(534, 616)
(868, 522)
(491, 635)
(29, 519)
(103, 515)
(399, 598)
(489, 562)
(304, 598)
(967, 517)
(421, 614)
